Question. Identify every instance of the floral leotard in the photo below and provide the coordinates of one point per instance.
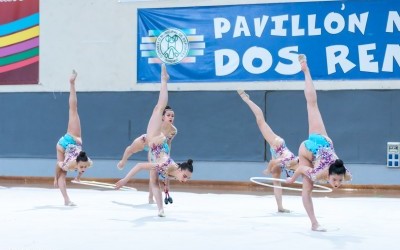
(169, 137)
(159, 152)
(281, 151)
(72, 148)
(324, 155)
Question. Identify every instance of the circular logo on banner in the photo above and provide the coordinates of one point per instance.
(172, 46)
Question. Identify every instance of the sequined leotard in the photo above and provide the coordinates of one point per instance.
(72, 149)
(281, 152)
(169, 137)
(159, 152)
(324, 155)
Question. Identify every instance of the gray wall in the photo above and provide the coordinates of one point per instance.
(208, 124)
(212, 126)
(216, 129)
(360, 123)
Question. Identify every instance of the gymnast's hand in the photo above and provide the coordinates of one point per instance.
(120, 183)
(290, 180)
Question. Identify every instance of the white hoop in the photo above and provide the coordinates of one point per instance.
(103, 185)
(322, 189)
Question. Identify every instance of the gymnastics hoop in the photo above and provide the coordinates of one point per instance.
(322, 189)
(103, 185)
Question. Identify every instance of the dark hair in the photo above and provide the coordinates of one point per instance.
(186, 165)
(82, 157)
(167, 108)
(337, 168)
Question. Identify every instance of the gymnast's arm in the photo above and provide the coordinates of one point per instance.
(273, 164)
(138, 167)
(78, 177)
(173, 134)
(64, 166)
(301, 170)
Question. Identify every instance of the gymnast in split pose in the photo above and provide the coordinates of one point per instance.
(282, 158)
(141, 143)
(317, 158)
(164, 167)
(70, 156)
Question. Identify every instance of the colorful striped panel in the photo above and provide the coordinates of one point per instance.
(19, 47)
(18, 25)
(19, 64)
(19, 36)
(19, 57)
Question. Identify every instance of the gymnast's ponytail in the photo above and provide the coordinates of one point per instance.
(188, 165)
(337, 168)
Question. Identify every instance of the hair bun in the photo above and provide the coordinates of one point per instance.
(190, 161)
(339, 162)
(82, 153)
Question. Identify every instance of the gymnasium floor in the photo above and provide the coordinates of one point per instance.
(32, 217)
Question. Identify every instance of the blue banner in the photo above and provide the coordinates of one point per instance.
(343, 40)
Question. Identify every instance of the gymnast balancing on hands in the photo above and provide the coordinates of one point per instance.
(165, 167)
(70, 156)
(282, 157)
(317, 158)
(141, 143)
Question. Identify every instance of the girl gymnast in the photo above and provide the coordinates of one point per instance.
(141, 143)
(165, 167)
(282, 157)
(70, 156)
(317, 158)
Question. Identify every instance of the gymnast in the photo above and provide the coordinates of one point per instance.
(140, 143)
(70, 156)
(164, 167)
(282, 158)
(317, 158)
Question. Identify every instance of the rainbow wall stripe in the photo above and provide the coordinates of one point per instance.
(19, 49)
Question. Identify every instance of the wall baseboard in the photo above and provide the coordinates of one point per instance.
(197, 184)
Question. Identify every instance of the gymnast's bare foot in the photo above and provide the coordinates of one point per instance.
(121, 164)
(164, 73)
(73, 77)
(69, 204)
(303, 62)
(302, 58)
(161, 213)
(243, 94)
(318, 228)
